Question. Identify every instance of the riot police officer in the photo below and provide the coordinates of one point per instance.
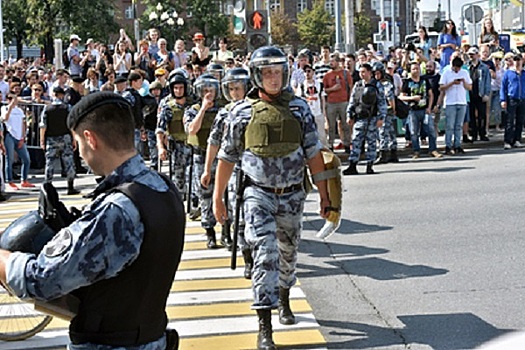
(56, 139)
(170, 130)
(366, 112)
(273, 135)
(198, 120)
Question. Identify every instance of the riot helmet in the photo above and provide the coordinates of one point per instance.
(179, 78)
(268, 57)
(378, 67)
(216, 69)
(29, 234)
(369, 95)
(206, 81)
(233, 75)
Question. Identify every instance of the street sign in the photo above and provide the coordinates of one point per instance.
(473, 14)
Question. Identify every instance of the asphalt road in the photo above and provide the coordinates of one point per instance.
(429, 255)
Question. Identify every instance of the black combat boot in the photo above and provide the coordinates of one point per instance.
(226, 239)
(70, 189)
(351, 170)
(285, 313)
(369, 168)
(211, 242)
(393, 156)
(382, 158)
(248, 262)
(264, 338)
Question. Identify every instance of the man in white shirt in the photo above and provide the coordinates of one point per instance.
(454, 83)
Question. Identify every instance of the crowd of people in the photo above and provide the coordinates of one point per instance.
(227, 124)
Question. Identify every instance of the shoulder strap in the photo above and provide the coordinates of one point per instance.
(346, 83)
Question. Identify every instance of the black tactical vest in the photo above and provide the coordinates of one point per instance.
(57, 120)
(136, 109)
(129, 309)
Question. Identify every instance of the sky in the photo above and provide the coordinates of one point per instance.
(431, 5)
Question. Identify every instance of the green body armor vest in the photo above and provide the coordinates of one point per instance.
(201, 138)
(176, 126)
(273, 131)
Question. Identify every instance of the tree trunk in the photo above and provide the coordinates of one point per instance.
(49, 49)
(19, 46)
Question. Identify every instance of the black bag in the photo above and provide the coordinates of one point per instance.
(402, 108)
(65, 59)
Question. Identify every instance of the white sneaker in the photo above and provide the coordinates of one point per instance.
(507, 146)
(517, 144)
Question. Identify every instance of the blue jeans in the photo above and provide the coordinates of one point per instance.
(11, 146)
(454, 114)
(416, 119)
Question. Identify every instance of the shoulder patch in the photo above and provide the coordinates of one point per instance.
(59, 244)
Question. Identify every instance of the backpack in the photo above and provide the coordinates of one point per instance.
(402, 108)
(367, 108)
(65, 59)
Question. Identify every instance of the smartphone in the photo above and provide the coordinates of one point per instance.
(458, 80)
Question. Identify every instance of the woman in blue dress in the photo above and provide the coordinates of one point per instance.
(424, 41)
(448, 42)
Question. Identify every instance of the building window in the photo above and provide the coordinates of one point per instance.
(275, 5)
(128, 12)
(375, 5)
(301, 6)
(329, 6)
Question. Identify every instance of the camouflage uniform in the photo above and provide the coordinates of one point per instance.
(57, 146)
(105, 240)
(205, 195)
(387, 132)
(366, 128)
(181, 152)
(273, 222)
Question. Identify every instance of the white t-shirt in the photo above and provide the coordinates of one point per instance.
(14, 125)
(310, 92)
(456, 94)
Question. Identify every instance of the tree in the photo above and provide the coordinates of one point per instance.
(316, 26)
(87, 18)
(363, 30)
(283, 29)
(13, 11)
(208, 18)
(164, 15)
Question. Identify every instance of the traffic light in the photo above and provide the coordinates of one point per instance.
(239, 17)
(257, 30)
(383, 30)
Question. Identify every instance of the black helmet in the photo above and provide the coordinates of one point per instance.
(369, 95)
(206, 80)
(29, 234)
(267, 56)
(215, 68)
(179, 78)
(235, 75)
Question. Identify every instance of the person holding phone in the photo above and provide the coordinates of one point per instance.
(454, 84)
(15, 141)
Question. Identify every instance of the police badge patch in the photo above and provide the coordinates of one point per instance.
(59, 244)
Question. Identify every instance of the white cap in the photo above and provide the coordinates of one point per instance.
(74, 37)
(89, 41)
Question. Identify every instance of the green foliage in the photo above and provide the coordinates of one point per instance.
(316, 26)
(207, 18)
(13, 11)
(170, 29)
(283, 29)
(363, 30)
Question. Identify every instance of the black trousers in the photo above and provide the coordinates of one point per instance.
(478, 117)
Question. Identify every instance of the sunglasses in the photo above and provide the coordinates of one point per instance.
(497, 59)
(37, 90)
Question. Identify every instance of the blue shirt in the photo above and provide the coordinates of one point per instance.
(102, 242)
(512, 86)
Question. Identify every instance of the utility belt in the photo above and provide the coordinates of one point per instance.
(274, 190)
(198, 150)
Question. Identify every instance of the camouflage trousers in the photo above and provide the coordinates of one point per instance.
(364, 129)
(204, 194)
(232, 199)
(180, 161)
(273, 225)
(388, 134)
(59, 147)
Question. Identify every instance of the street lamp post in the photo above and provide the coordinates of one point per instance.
(170, 17)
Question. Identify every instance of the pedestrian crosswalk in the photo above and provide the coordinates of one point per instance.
(209, 303)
